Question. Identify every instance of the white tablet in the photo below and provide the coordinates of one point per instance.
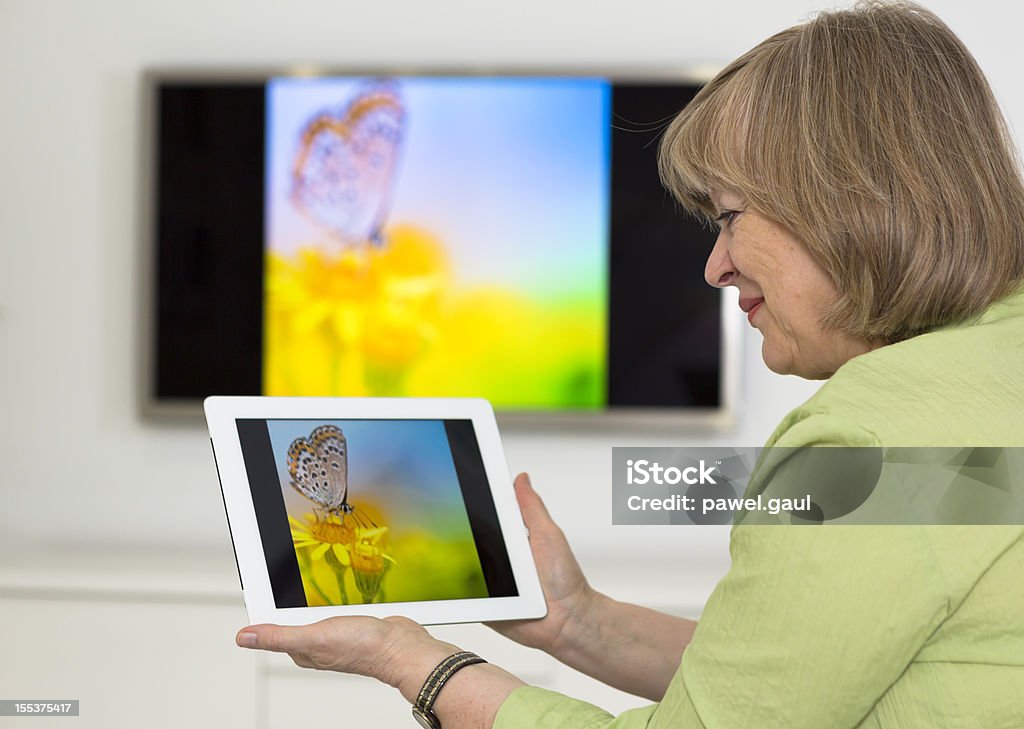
(372, 506)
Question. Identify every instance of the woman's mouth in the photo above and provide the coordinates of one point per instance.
(750, 306)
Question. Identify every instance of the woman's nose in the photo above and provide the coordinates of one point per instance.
(719, 271)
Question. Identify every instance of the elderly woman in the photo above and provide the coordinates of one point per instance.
(872, 217)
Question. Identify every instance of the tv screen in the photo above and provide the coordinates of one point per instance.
(504, 237)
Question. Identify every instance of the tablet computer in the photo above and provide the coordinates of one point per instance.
(372, 506)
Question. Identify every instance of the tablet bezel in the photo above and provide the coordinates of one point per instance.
(222, 412)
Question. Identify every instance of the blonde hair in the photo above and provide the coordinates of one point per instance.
(872, 135)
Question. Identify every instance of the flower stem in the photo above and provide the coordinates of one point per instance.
(341, 587)
(339, 573)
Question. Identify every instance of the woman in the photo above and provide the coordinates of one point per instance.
(872, 218)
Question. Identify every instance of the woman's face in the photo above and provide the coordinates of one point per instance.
(782, 290)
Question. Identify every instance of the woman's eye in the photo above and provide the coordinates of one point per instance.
(727, 217)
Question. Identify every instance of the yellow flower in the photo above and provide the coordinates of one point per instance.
(332, 533)
(341, 543)
(395, 320)
(353, 322)
(369, 563)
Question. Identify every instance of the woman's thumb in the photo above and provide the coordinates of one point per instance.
(535, 514)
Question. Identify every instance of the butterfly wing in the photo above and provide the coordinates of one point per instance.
(377, 118)
(332, 449)
(309, 474)
(344, 168)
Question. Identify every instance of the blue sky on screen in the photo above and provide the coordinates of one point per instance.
(412, 458)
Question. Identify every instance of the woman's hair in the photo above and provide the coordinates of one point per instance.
(872, 135)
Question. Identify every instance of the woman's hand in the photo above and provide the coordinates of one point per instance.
(626, 646)
(566, 591)
(395, 650)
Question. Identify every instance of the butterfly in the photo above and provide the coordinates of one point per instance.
(319, 468)
(344, 168)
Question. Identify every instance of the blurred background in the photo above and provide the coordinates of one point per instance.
(117, 583)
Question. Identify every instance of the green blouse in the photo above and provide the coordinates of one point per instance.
(905, 627)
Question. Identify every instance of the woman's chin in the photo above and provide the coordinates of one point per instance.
(784, 363)
(778, 362)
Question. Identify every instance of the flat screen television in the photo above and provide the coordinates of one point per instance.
(497, 236)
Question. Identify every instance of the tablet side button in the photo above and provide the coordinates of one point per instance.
(224, 501)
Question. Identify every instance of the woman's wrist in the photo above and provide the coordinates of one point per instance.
(581, 623)
(647, 645)
(407, 659)
(412, 670)
(472, 696)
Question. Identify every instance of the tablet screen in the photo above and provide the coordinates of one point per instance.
(374, 511)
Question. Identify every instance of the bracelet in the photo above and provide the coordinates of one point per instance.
(422, 709)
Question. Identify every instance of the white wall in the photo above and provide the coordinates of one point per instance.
(79, 468)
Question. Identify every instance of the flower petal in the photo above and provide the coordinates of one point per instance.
(372, 535)
(320, 551)
(342, 554)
